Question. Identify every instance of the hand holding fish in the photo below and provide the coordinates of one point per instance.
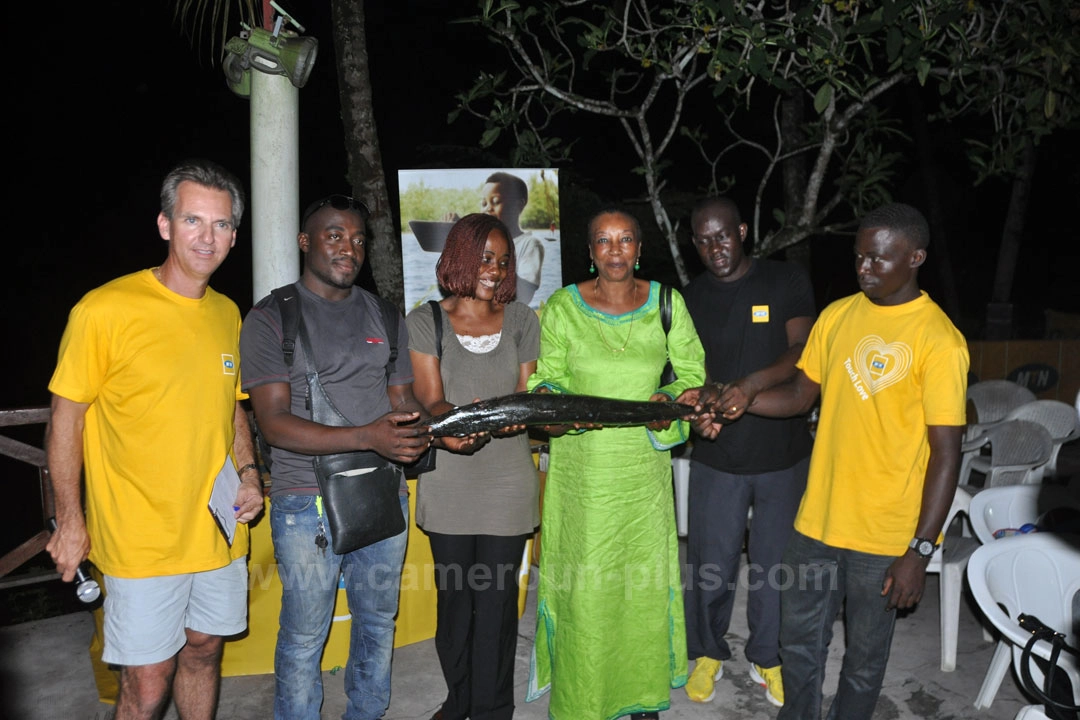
(464, 445)
(395, 437)
(734, 399)
(561, 429)
(705, 422)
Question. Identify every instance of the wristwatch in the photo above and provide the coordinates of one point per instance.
(923, 548)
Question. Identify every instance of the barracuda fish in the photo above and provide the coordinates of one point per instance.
(552, 409)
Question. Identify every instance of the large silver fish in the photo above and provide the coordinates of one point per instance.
(552, 409)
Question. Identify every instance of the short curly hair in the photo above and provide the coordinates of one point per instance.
(902, 219)
(459, 264)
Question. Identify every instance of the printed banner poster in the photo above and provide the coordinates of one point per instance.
(527, 202)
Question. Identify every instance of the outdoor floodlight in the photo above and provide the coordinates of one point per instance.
(280, 52)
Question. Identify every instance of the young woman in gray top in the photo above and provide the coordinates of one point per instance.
(480, 505)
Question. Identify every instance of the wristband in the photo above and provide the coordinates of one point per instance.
(249, 466)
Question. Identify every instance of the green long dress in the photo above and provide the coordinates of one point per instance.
(610, 638)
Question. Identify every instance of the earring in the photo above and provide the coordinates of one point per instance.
(592, 268)
(637, 264)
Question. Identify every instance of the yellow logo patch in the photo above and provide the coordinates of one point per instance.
(228, 363)
(759, 313)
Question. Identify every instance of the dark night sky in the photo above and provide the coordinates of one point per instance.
(100, 115)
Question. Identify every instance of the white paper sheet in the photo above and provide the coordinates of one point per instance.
(223, 498)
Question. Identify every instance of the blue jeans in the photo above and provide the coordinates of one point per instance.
(819, 580)
(309, 577)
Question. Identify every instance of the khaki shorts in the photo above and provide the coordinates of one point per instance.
(146, 618)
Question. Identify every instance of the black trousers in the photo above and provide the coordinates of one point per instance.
(477, 622)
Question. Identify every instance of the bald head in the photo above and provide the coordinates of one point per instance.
(715, 204)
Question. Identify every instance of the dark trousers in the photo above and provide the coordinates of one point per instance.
(477, 622)
(821, 579)
(718, 505)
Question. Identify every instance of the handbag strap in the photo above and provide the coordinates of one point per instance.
(436, 315)
(665, 307)
(1057, 644)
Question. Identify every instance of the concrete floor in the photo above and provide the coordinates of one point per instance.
(45, 674)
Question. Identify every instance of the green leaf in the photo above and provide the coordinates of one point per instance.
(727, 8)
(893, 42)
(490, 136)
(822, 98)
(922, 69)
(757, 60)
(778, 215)
(1050, 104)
(891, 10)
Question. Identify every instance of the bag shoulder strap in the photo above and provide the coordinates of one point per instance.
(436, 314)
(665, 307)
(390, 321)
(289, 304)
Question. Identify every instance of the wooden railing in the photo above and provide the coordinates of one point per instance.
(35, 456)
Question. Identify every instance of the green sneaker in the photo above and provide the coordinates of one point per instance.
(701, 687)
(771, 680)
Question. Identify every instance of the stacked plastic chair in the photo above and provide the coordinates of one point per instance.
(1019, 450)
(992, 400)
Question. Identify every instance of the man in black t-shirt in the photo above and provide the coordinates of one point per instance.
(753, 317)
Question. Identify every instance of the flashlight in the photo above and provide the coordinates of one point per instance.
(86, 587)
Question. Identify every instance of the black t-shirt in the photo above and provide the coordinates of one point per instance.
(742, 327)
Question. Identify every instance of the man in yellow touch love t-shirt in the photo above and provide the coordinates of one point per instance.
(891, 372)
(146, 395)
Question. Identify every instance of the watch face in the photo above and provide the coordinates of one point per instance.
(925, 548)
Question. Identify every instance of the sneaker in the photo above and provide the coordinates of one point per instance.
(701, 687)
(771, 680)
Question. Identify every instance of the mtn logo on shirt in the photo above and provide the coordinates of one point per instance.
(228, 364)
(878, 364)
(759, 313)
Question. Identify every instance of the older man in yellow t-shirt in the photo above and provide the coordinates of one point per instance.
(891, 372)
(146, 394)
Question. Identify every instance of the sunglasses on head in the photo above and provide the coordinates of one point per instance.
(338, 202)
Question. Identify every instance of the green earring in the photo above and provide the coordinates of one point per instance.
(637, 265)
(592, 268)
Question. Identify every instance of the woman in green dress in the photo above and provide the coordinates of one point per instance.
(610, 640)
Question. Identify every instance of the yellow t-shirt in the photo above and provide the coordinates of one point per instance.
(161, 373)
(886, 373)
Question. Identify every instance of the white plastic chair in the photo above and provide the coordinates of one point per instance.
(992, 400)
(949, 561)
(1011, 506)
(1032, 712)
(1018, 451)
(1038, 574)
(680, 476)
(1060, 420)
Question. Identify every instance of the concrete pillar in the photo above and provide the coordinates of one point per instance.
(275, 182)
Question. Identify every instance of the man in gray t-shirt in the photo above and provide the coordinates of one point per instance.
(350, 350)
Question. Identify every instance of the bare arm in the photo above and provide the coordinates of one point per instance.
(906, 577)
(387, 435)
(794, 397)
(737, 396)
(249, 497)
(70, 544)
